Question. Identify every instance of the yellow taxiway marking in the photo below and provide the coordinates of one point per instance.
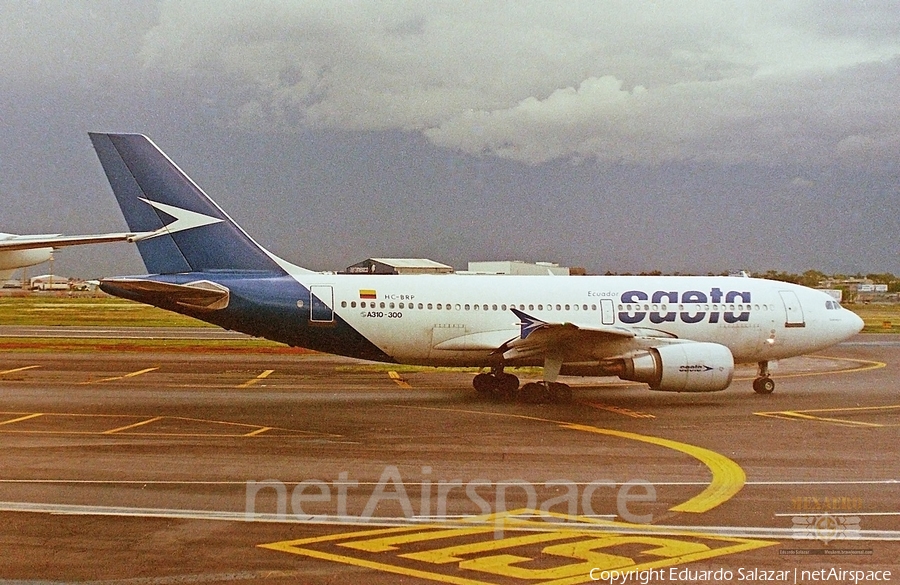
(813, 415)
(186, 427)
(863, 365)
(21, 418)
(398, 380)
(256, 380)
(22, 369)
(131, 375)
(728, 477)
(505, 549)
(131, 426)
(620, 410)
(258, 431)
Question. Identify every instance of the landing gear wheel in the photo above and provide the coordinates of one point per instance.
(484, 383)
(764, 385)
(560, 393)
(534, 393)
(507, 383)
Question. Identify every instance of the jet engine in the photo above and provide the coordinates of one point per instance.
(682, 367)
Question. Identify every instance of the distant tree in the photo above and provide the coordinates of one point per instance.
(782, 276)
(882, 278)
(811, 278)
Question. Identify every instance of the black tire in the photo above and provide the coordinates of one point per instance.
(507, 382)
(764, 385)
(484, 383)
(560, 393)
(533, 393)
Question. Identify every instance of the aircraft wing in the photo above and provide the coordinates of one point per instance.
(12, 242)
(570, 341)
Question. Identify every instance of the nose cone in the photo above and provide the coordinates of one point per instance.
(854, 322)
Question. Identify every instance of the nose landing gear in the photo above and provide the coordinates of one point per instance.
(763, 384)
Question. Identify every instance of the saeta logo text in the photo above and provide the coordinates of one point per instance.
(671, 300)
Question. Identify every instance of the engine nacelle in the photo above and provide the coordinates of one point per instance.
(682, 367)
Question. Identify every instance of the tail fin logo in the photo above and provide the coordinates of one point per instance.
(184, 220)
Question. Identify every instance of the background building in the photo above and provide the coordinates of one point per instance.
(518, 267)
(398, 266)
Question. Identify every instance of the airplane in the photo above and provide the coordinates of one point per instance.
(27, 250)
(674, 333)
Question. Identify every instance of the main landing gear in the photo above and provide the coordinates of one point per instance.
(763, 384)
(505, 387)
(497, 384)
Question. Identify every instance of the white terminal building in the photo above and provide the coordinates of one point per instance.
(518, 267)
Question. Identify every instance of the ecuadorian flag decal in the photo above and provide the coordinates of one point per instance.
(367, 293)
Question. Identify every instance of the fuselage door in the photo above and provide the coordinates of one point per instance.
(321, 303)
(792, 308)
(607, 316)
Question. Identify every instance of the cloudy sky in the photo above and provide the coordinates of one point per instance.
(616, 135)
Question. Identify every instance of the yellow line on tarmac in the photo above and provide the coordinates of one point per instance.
(864, 365)
(728, 477)
(255, 380)
(18, 370)
(137, 424)
(620, 410)
(808, 415)
(21, 418)
(258, 431)
(398, 380)
(295, 547)
(131, 375)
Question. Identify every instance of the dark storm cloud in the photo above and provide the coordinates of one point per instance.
(689, 136)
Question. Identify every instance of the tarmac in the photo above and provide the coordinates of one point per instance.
(208, 467)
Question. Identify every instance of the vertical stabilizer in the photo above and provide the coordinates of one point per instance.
(180, 228)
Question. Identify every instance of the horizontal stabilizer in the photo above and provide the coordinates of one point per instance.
(12, 242)
(201, 294)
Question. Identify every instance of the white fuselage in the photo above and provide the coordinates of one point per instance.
(460, 319)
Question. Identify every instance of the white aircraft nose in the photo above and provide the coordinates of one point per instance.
(854, 322)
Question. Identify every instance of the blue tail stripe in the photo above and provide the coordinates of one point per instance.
(138, 170)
